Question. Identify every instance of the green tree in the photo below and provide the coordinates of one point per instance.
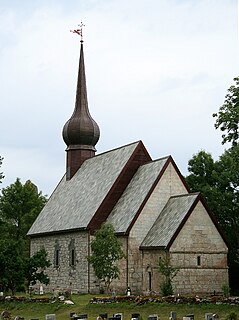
(11, 265)
(34, 268)
(17, 270)
(227, 119)
(19, 206)
(169, 272)
(106, 251)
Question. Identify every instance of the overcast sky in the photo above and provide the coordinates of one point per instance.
(156, 71)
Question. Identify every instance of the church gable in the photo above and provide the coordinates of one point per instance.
(199, 233)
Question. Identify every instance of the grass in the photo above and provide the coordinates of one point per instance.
(82, 306)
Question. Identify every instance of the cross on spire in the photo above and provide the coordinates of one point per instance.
(79, 31)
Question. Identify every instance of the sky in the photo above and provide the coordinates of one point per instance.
(156, 71)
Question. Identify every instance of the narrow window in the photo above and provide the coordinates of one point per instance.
(150, 281)
(72, 253)
(57, 258)
(57, 254)
(73, 262)
(198, 260)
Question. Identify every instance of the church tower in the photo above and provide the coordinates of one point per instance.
(81, 132)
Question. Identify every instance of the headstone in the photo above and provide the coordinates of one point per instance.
(50, 316)
(135, 316)
(208, 316)
(103, 316)
(153, 317)
(118, 316)
(173, 315)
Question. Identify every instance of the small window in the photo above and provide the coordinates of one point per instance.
(72, 253)
(57, 258)
(198, 260)
(57, 254)
(73, 260)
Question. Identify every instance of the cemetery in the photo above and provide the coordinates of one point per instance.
(87, 307)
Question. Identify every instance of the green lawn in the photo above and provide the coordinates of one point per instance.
(82, 306)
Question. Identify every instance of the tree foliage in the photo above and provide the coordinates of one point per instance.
(106, 251)
(169, 272)
(19, 271)
(35, 267)
(19, 206)
(227, 119)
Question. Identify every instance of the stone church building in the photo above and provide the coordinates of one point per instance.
(147, 202)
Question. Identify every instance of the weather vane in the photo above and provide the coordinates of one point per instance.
(79, 31)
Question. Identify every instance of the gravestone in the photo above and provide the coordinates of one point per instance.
(50, 316)
(118, 316)
(153, 317)
(135, 316)
(173, 315)
(208, 316)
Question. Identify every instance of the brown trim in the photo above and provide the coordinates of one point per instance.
(139, 157)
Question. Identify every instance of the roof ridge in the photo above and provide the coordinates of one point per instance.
(126, 145)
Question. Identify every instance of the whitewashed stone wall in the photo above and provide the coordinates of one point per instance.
(170, 184)
(64, 276)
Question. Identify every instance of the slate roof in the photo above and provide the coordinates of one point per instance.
(134, 195)
(169, 221)
(74, 202)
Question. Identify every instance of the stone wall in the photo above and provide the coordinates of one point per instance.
(201, 254)
(170, 184)
(65, 276)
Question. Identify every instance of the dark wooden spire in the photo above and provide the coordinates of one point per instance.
(81, 132)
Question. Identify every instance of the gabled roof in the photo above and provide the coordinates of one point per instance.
(136, 194)
(75, 202)
(170, 221)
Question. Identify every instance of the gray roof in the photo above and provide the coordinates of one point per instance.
(74, 202)
(139, 187)
(169, 221)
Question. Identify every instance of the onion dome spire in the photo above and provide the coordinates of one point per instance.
(81, 132)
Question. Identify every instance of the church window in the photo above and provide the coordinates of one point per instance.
(57, 254)
(72, 253)
(198, 260)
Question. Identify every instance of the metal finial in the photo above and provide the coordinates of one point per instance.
(79, 31)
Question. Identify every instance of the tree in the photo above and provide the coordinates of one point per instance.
(106, 251)
(17, 270)
(169, 272)
(19, 206)
(1, 173)
(11, 265)
(34, 268)
(228, 115)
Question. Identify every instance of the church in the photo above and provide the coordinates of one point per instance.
(147, 201)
